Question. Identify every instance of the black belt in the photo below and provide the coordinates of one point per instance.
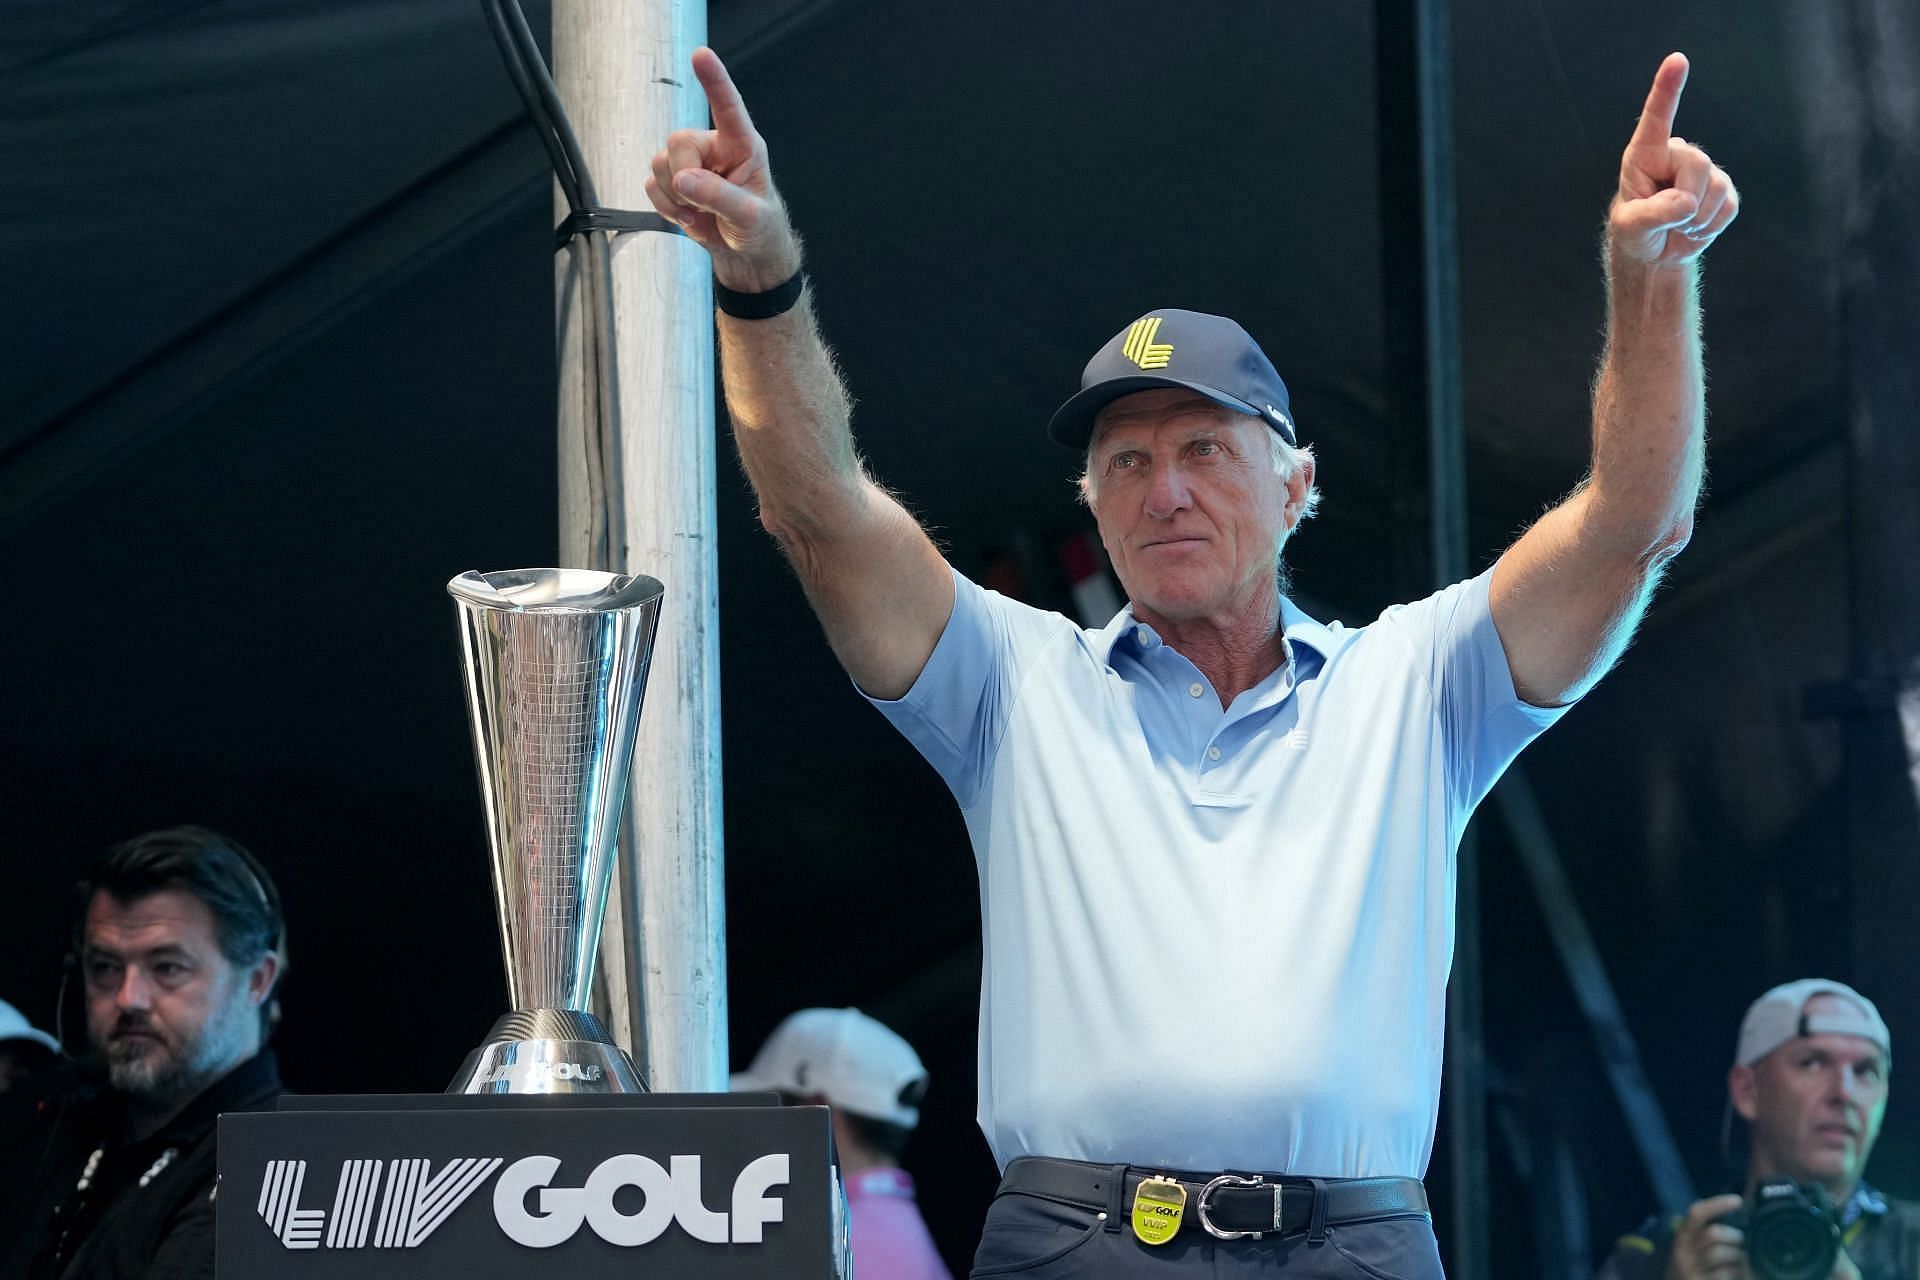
(1226, 1205)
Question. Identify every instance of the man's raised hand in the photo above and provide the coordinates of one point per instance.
(716, 184)
(1673, 200)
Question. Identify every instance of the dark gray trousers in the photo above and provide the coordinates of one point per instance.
(1040, 1240)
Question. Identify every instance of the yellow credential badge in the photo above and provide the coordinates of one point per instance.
(1158, 1206)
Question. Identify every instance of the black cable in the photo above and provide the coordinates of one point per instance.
(530, 95)
(587, 227)
(597, 391)
(68, 964)
(600, 272)
(549, 96)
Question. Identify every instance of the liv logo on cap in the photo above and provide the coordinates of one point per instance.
(1142, 349)
(1218, 359)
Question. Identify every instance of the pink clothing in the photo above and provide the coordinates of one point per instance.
(890, 1240)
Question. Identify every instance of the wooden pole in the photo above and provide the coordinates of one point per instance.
(642, 499)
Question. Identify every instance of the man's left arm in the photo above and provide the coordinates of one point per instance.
(1566, 597)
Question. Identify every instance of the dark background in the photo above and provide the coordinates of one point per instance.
(277, 321)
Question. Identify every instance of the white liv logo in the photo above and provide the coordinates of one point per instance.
(416, 1201)
(669, 1197)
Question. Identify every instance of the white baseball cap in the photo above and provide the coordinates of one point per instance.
(14, 1026)
(851, 1060)
(1781, 1015)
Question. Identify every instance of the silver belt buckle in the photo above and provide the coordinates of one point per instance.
(1235, 1180)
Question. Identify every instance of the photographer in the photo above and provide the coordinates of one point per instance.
(1809, 1077)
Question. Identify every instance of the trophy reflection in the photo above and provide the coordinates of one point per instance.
(556, 666)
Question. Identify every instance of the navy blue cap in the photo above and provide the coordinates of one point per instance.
(1208, 354)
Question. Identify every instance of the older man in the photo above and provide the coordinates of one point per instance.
(179, 948)
(1215, 837)
(1809, 1080)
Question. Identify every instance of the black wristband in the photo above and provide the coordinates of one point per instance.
(760, 306)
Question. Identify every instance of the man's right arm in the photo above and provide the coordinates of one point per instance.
(879, 586)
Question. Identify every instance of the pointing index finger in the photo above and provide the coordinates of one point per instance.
(723, 97)
(1663, 102)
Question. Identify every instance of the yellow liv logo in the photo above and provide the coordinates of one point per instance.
(1142, 349)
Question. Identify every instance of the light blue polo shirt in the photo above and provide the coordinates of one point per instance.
(1216, 939)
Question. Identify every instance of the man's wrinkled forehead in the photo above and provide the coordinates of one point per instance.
(1144, 411)
(149, 919)
(1796, 1012)
(1834, 1047)
(1833, 1022)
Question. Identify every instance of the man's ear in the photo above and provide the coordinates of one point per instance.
(1299, 485)
(261, 978)
(1744, 1091)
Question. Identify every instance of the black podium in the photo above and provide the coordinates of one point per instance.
(670, 1186)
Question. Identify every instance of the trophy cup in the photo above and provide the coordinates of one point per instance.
(556, 664)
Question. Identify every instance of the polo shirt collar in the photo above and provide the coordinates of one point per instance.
(1296, 627)
(1864, 1201)
(1299, 628)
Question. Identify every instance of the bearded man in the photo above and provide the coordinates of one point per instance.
(179, 948)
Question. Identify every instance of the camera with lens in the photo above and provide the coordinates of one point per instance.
(1792, 1231)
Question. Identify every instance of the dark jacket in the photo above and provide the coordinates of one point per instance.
(1881, 1235)
(105, 1209)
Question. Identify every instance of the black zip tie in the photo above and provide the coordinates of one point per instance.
(585, 221)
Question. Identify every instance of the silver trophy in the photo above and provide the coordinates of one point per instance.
(556, 663)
